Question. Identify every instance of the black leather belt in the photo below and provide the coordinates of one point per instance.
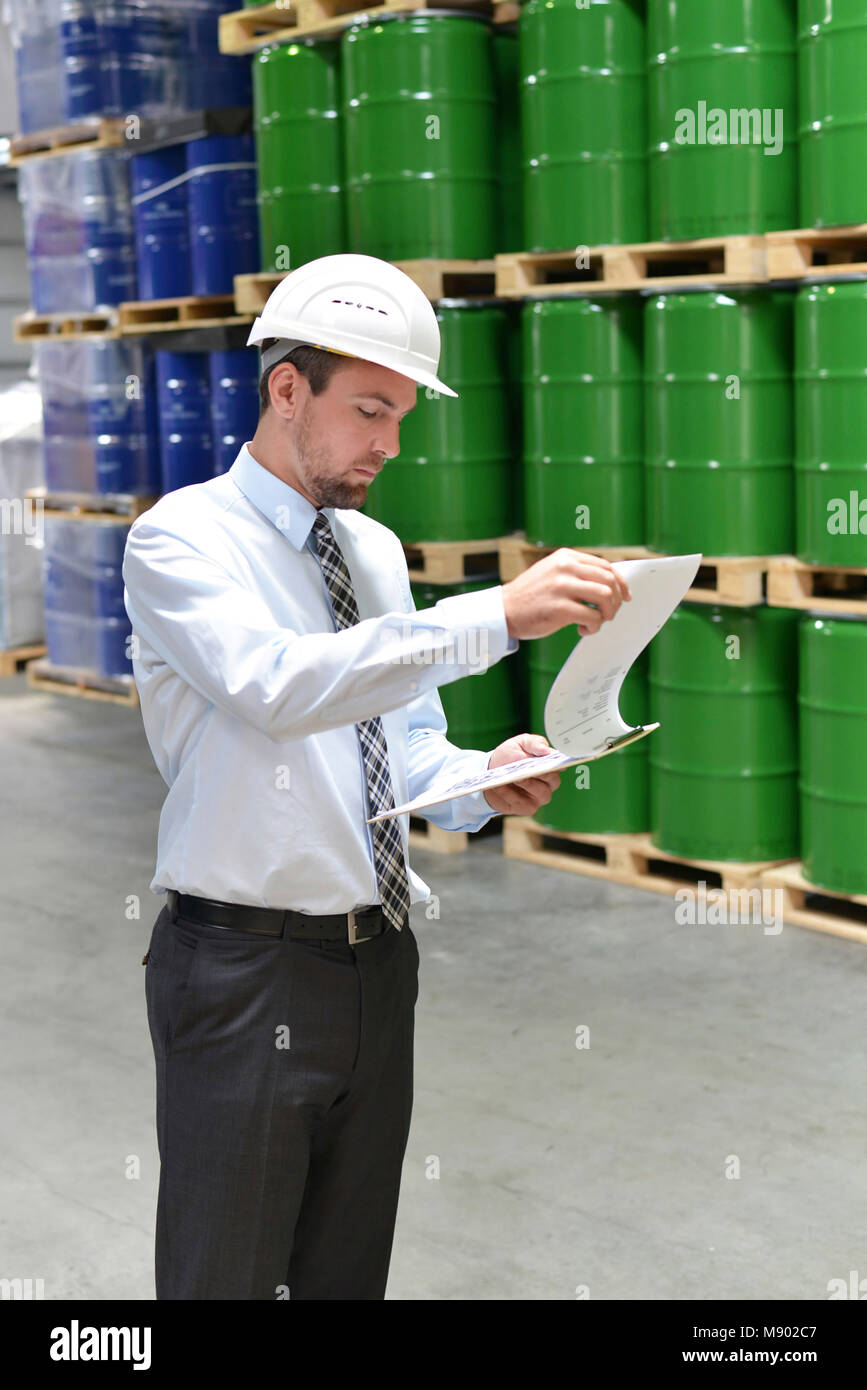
(355, 926)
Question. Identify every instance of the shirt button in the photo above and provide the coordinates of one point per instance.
(413, 685)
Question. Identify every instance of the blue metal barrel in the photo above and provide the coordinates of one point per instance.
(162, 236)
(78, 231)
(224, 233)
(234, 403)
(86, 623)
(212, 78)
(184, 402)
(99, 416)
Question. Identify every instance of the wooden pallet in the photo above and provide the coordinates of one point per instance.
(731, 260)
(629, 859)
(116, 507)
(518, 554)
(106, 133)
(438, 279)
(839, 914)
(89, 685)
(451, 562)
(71, 324)
(13, 658)
(734, 580)
(824, 252)
(424, 835)
(822, 588)
(245, 31)
(188, 311)
(451, 279)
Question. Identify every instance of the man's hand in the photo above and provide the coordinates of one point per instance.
(557, 590)
(521, 798)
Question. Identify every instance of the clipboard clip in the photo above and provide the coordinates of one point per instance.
(627, 737)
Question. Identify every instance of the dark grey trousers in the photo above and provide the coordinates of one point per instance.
(284, 1079)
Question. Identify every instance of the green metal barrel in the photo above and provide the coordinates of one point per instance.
(718, 373)
(832, 67)
(722, 116)
(583, 122)
(832, 696)
(510, 226)
(419, 108)
(482, 710)
(296, 114)
(724, 760)
(611, 795)
(831, 423)
(583, 445)
(514, 356)
(451, 480)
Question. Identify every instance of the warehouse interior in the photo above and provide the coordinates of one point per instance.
(642, 226)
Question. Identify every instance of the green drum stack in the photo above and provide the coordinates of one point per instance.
(419, 110)
(510, 228)
(719, 422)
(722, 116)
(481, 710)
(832, 67)
(583, 122)
(832, 695)
(583, 445)
(452, 478)
(831, 423)
(724, 761)
(610, 795)
(296, 116)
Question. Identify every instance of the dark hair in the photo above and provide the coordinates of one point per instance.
(315, 364)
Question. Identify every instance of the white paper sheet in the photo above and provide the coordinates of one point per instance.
(582, 718)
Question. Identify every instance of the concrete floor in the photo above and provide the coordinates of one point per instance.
(602, 1167)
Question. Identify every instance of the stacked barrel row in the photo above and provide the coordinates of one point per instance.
(108, 225)
(399, 140)
(436, 135)
(80, 59)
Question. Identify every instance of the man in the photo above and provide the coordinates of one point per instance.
(288, 691)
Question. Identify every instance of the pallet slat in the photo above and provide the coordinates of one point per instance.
(841, 915)
(65, 325)
(245, 31)
(734, 580)
(88, 685)
(103, 134)
(13, 658)
(732, 260)
(821, 588)
(115, 507)
(827, 252)
(439, 279)
(451, 562)
(188, 311)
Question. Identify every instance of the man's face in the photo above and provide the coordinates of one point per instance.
(344, 436)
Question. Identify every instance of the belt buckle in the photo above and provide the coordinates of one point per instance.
(352, 924)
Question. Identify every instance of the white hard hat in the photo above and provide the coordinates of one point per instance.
(359, 306)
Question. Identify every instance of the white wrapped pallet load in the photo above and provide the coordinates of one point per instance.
(21, 531)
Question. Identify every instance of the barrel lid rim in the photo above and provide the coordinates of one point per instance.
(471, 300)
(364, 21)
(833, 617)
(842, 279)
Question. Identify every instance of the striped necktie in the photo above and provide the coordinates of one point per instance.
(388, 857)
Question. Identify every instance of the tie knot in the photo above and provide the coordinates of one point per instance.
(322, 528)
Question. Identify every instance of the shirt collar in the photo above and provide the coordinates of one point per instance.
(278, 502)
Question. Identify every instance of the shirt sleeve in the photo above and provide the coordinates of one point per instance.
(432, 759)
(224, 641)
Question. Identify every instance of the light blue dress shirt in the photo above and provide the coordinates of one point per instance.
(250, 696)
